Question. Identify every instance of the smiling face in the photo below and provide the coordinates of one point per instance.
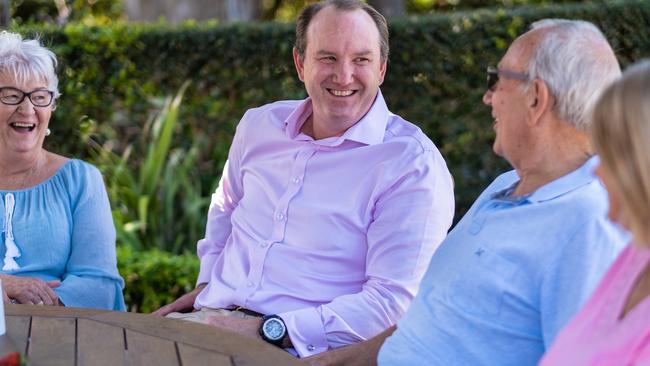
(341, 68)
(509, 105)
(23, 126)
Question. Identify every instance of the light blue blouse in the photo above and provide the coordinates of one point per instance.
(64, 231)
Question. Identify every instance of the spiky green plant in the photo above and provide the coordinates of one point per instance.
(154, 188)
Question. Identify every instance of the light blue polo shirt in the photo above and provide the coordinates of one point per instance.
(509, 275)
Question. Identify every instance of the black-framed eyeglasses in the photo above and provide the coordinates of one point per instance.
(493, 74)
(13, 96)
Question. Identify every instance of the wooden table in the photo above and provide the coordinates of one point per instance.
(71, 336)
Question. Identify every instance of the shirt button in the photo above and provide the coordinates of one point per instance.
(250, 284)
(280, 216)
(264, 244)
(296, 180)
(311, 348)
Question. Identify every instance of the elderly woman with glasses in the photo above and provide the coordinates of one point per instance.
(58, 238)
(613, 328)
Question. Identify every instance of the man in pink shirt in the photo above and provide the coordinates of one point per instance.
(329, 208)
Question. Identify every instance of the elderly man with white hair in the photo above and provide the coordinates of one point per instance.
(531, 249)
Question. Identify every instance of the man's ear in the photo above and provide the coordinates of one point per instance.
(298, 61)
(382, 71)
(539, 100)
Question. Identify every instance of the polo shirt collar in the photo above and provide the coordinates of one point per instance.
(369, 130)
(565, 184)
(574, 180)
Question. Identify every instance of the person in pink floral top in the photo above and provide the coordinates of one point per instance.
(614, 326)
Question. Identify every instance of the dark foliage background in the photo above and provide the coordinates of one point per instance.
(113, 79)
(435, 78)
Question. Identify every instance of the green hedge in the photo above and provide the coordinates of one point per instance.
(435, 78)
(113, 77)
(154, 278)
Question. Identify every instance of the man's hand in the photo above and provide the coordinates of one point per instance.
(248, 327)
(358, 354)
(29, 290)
(183, 304)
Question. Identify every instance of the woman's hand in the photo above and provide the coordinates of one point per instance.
(29, 290)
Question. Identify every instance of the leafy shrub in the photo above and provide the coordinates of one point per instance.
(34, 11)
(154, 278)
(158, 201)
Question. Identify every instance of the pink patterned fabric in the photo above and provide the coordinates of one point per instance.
(597, 336)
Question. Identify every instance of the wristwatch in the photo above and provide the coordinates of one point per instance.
(273, 329)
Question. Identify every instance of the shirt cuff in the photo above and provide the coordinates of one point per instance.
(207, 265)
(306, 331)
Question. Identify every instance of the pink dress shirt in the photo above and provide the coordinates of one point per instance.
(597, 336)
(333, 235)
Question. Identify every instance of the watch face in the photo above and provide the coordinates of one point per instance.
(274, 329)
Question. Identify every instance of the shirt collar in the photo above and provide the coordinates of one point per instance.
(567, 183)
(506, 194)
(297, 118)
(576, 179)
(369, 130)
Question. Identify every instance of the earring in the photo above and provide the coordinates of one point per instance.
(48, 132)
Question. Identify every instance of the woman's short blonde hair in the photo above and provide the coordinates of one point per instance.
(621, 135)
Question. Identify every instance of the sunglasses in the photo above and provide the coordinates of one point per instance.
(494, 73)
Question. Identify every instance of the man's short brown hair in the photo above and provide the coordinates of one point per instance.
(308, 13)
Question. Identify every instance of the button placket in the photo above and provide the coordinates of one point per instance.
(480, 216)
(280, 217)
(296, 182)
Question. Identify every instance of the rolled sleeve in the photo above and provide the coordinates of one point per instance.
(223, 203)
(217, 231)
(206, 266)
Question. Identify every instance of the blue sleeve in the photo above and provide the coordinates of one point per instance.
(91, 278)
(575, 271)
